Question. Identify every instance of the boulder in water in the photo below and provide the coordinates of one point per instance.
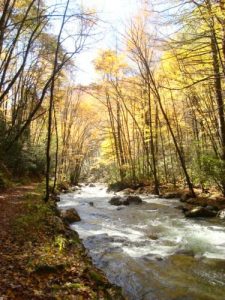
(200, 212)
(192, 201)
(153, 236)
(132, 200)
(212, 208)
(183, 208)
(75, 188)
(184, 197)
(221, 214)
(116, 200)
(70, 216)
(55, 198)
(91, 185)
(120, 208)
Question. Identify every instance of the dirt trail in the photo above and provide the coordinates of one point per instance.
(40, 257)
(11, 204)
(11, 267)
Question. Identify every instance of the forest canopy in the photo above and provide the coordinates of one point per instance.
(155, 115)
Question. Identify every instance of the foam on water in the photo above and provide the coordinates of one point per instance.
(154, 230)
(203, 239)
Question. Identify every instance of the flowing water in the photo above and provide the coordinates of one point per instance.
(151, 250)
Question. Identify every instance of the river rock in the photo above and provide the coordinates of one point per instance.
(91, 185)
(212, 208)
(153, 236)
(192, 201)
(184, 197)
(132, 200)
(200, 212)
(221, 214)
(75, 188)
(70, 216)
(120, 208)
(55, 198)
(91, 203)
(116, 200)
(183, 208)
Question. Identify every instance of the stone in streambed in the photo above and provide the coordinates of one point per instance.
(212, 208)
(70, 216)
(55, 198)
(120, 207)
(183, 208)
(193, 201)
(153, 236)
(118, 200)
(75, 188)
(221, 214)
(132, 200)
(186, 196)
(200, 212)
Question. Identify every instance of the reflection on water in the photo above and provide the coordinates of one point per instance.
(151, 250)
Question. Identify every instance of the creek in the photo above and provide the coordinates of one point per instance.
(151, 250)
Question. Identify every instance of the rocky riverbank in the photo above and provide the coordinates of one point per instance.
(40, 257)
(205, 205)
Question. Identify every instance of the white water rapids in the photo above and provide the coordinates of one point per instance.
(151, 250)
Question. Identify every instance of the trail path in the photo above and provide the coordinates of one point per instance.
(32, 264)
(12, 255)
